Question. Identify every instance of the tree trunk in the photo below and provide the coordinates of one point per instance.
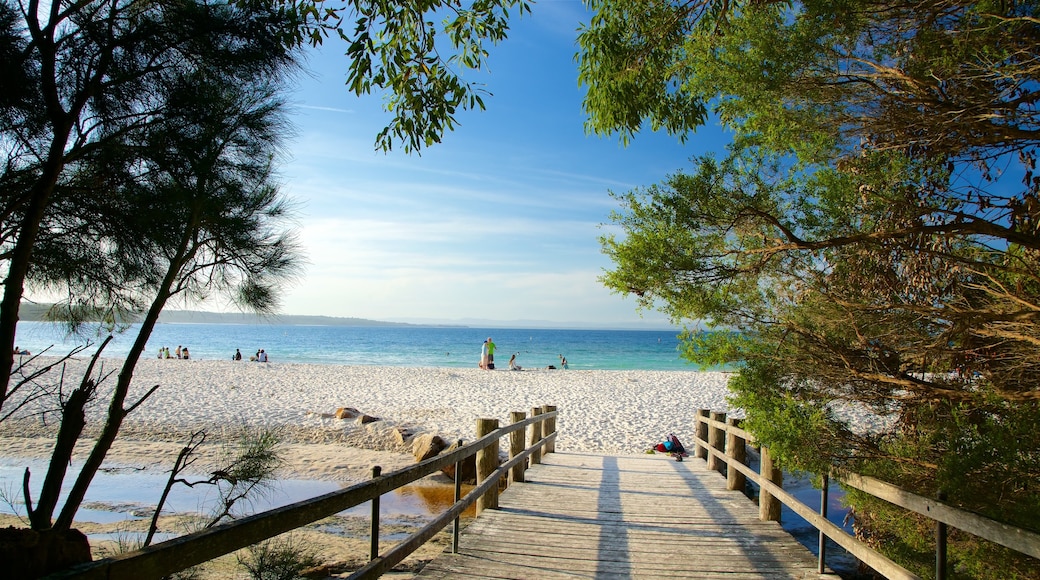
(37, 553)
(116, 411)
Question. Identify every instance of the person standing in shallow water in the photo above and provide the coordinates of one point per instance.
(491, 354)
(483, 356)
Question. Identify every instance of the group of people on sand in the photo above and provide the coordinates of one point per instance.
(181, 352)
(260, 356)
(487, 355)
(487, 358)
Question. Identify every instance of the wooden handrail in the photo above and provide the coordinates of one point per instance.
(177, 554)
(709, 430)
(1017, 539)
(399, 552)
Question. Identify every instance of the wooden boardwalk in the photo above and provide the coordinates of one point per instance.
(644, 516)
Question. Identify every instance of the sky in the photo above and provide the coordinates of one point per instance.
(499, 224)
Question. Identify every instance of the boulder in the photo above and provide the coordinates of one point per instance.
(426, 446)
(402, 435)
(364, 419)
(467, 467)
(347, 413)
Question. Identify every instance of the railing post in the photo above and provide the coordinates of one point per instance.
(737, 453)
(373, 551)
(536, 436)
(717, 440)
(455, 527)
(516, 447)
(699, 451)
(769, 506)
(824, 494)
(940, 545)
(487, 463)
(550, 428)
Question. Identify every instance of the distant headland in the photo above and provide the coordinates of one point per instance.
(30, 312)
(37, 312)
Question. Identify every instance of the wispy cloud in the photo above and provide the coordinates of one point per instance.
(329, 109)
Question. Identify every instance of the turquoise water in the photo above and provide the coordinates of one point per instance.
(410, 346)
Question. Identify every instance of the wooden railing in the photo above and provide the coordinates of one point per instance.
(180, 553)
(722, 443)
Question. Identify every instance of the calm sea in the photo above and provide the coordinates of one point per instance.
(410, 346)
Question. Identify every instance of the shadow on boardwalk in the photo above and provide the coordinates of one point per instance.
(642, 516)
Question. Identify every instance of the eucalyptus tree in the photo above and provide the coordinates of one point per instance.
(869, 239)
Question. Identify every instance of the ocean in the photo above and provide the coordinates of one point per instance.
(409, 346)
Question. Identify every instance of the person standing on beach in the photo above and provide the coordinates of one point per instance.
(484, 355)
(490, 354)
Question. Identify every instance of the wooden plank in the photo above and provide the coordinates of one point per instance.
(592, 516)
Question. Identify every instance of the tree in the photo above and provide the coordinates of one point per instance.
(99, 72)
(868, 240)
(89, 69)
(202, 216)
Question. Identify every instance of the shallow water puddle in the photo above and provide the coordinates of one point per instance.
(118, 495)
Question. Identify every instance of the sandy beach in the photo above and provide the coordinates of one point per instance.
(612, 412)
(608, 412)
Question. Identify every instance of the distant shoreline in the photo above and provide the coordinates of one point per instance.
(31, 312)
(37, 313)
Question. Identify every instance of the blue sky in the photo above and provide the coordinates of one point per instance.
(499, 223)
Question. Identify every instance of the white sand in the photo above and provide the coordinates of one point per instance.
(600, 411)
(610, 412)
(613, 412)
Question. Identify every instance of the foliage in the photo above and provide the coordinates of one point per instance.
(393, 46)
(869, 241)
(283, 558)
(927, 77)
